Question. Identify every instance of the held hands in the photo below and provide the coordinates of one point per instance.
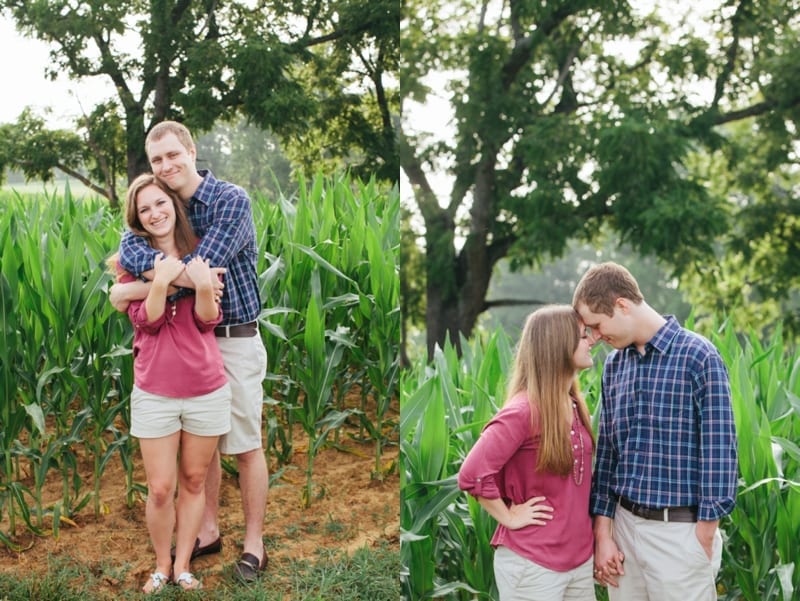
(530, 513)
(608, 560)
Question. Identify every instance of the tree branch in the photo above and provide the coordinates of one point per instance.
(86, 181)
(412, 166)
(562, 75)
(523, 49)
(731, 53)
(753, 111)
(512, 302)
(109, 66)
(335, 35)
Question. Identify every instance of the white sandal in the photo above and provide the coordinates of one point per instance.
(159, 580)
(192, 583)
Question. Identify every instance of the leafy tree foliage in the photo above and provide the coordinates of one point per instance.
(282, 64)
(756, 280)
(557, 131)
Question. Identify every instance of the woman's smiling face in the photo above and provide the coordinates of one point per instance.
(156, 211)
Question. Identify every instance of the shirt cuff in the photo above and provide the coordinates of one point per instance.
(604, 506)
(711, 511)
(484, 486)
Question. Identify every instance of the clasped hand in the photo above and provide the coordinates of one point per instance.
(167, 268)
(198, 270)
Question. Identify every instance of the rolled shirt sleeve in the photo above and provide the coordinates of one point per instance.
(135, 255)
(481, 474)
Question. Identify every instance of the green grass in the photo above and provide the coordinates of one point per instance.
(367, 575)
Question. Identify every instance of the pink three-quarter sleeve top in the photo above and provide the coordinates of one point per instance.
(502, 464)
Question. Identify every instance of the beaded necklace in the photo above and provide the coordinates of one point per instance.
(577, 470)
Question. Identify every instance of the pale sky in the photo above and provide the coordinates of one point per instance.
(23, 72)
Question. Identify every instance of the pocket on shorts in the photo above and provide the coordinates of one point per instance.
(700, 552)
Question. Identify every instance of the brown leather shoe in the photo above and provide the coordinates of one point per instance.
(248, 568)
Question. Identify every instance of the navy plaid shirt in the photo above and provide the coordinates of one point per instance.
(222, 217)
(666, 434)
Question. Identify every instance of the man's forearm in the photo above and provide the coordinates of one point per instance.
(182, 281)
(121, 295)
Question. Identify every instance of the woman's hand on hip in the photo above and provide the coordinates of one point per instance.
(533, 512)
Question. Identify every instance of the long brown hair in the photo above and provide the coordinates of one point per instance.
(185, 239)
(545, 370)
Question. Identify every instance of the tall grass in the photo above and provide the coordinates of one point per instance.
(445, 534)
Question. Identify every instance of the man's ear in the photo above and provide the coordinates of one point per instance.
(623, 304)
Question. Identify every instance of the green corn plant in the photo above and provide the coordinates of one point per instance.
(378, 312)
(317, 363)
(760, 558)
(320, 239)
(451, 401)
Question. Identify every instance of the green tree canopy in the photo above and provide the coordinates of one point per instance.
(281, 64)
(572, 114)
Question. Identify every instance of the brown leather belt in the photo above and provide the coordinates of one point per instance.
(667, 514)
(242, 330)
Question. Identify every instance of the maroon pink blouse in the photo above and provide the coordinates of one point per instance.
(502, 464)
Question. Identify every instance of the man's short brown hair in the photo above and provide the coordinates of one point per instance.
(159, 130)
(602, 285)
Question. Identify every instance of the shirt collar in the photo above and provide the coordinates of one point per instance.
(662, 339)
(205, 191)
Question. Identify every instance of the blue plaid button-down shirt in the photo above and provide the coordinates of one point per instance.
(221, 215)
(666, 434)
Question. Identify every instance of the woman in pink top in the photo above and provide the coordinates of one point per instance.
(181, 396)
(531, 467)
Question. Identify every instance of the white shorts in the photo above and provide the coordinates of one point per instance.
(245, 362)
(156, 416)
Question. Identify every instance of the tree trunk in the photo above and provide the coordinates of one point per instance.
(442, 289)
(456, 282)
(456, 287)
(136, 156)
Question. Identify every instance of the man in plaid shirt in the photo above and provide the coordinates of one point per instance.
(666, 464)
(222, 218)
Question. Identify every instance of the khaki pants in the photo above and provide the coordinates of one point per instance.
(664, 561)
(519, 579)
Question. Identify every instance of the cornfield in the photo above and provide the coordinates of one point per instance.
(328, 269)
(445, 534)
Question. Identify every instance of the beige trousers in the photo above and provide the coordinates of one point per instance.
(519, 579)
(664, 561)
